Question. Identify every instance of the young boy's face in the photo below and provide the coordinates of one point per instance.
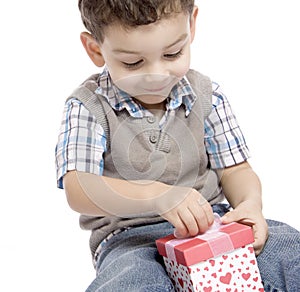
(147, 61)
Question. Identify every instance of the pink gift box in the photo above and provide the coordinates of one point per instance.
(221, 259)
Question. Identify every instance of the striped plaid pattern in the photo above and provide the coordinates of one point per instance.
(82, 142)
(224, 140)
(181, 93)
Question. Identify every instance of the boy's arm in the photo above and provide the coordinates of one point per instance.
(242, 189)
(95, 195)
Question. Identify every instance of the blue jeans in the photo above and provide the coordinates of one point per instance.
(129, 261)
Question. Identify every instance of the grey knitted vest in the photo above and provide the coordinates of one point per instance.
(138, 149)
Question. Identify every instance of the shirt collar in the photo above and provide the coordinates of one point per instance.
(181, 93)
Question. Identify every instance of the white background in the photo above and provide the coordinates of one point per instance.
(250, 47)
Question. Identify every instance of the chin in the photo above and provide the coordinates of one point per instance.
(151, 99)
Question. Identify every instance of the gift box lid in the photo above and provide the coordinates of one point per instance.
(217, 240)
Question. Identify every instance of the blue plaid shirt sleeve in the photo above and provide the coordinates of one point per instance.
(224, 140)
(81, 142)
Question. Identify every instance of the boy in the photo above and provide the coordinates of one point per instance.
(149, 145)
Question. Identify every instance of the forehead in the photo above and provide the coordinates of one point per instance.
(158, 35)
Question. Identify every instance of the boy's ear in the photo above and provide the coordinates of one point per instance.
(193, 22)
(92, 48)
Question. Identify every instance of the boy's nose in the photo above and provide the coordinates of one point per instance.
(155, 77)
(158, 69)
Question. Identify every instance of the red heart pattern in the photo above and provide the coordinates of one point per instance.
(226, 279)
(246, 276)
(235, 271)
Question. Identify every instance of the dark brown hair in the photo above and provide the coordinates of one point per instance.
(98, 14)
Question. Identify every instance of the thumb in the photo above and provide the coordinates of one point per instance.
(235, 216)
(231, 216)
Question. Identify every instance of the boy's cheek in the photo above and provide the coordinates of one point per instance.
(182, 66)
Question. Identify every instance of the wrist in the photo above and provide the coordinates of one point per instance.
(251, 203)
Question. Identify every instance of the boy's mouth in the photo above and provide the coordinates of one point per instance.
(147, 84)
(159, 88)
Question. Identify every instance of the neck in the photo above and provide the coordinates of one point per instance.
(157, 109)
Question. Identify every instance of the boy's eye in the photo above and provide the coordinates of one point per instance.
(132, 65)
(173, 56)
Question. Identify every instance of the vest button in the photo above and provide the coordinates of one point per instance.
(153, 139)
(151, 120)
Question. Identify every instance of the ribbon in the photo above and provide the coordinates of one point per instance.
(170, 247)
(219, 242)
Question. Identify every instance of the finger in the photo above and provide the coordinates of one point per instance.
(203, 215)
(260, 237)
(181, 230)
(206, 207)
(258, 246)
(189, 220)
(258, 243)
(173, 217)
(200, 218)
(209, 213)
(179, 233)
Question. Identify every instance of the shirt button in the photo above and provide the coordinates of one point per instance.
(151, 120)
(153, 139)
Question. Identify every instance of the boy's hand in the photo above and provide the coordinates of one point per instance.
(191, 216)
(248, 213)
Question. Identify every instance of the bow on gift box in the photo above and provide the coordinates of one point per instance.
(217, 240)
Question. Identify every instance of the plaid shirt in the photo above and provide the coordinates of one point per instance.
(82, 142)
